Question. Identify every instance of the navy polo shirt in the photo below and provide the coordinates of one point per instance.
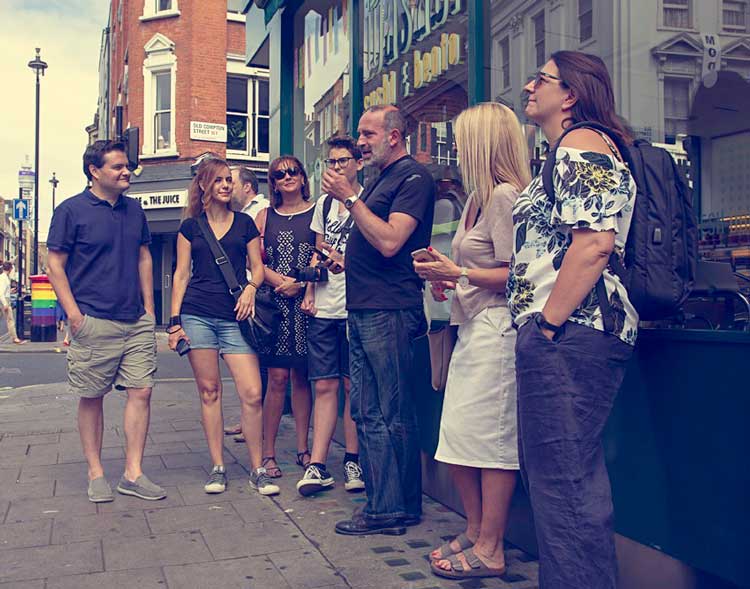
(103, 244)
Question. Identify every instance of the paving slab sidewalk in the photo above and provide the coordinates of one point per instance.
(51, 536)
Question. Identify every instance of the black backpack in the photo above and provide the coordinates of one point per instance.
(661, 249)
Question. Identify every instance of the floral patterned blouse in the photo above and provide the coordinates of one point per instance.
(593, 191)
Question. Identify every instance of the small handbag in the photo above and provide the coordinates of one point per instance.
(441, 341)
(259, 330)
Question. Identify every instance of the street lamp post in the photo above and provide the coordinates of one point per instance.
(38, 66)
(54, 181)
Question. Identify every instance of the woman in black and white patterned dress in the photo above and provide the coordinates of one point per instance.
(288, 243)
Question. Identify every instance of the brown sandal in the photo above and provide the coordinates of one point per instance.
(273, 471)
(476, 567)
(445, 549)
(301, 458)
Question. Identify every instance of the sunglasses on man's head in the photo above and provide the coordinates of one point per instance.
(279, 174)
(341, 161)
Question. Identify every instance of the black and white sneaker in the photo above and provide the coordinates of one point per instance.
(217, 480)
(353, 481)
(315, 479)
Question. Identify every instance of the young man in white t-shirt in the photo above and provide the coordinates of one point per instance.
(327, 345)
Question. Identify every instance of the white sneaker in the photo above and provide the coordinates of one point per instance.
(353, 481)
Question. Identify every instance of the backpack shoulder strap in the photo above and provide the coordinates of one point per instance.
(220, 257)
(327, 203)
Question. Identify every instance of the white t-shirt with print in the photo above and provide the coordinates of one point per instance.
(330, 296)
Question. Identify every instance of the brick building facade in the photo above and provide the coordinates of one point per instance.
(176, 70)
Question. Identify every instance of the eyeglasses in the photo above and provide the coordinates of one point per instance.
(279, 174)
(341, 161)
(541, 77)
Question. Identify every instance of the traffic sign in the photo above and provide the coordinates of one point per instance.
(20, 209)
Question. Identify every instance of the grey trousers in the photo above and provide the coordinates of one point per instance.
(566, 388)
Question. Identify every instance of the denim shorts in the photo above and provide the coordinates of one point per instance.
(327, 349)
(210, 333)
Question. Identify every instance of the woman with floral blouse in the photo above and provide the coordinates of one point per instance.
(569, 367)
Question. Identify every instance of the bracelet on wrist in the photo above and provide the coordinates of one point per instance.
(253, 284)
(173, 329)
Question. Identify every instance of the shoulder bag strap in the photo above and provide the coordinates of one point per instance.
(220, 257)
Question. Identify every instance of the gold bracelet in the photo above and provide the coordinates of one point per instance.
(251, 283)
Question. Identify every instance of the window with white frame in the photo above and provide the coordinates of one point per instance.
(159, 9)
(247, 116)
(677, 14)
(159, 82)
(676, 107)
(163, 110)
(540, 50)
(585, 20)
(505, 61)
(443, 150)
(734, 16)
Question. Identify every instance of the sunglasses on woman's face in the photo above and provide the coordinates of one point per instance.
(540, 77)
(279, 174)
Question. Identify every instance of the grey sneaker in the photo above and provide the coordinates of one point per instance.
(100, 491)
(261, 482)
(315, 479)
(353, 477)
(217, 480)
(141, 488)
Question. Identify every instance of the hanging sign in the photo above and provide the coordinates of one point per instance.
(711, 59)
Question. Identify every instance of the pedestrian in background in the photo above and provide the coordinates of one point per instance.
(569, 365)
(478, 433)
(100, 266)
(246, 199)
(204, 313)
(5, 302)
(288, 242)
(384, 300)
(327, 342)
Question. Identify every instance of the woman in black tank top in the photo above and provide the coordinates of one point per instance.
(288, 242)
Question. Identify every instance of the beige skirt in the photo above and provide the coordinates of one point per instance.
(478, 426)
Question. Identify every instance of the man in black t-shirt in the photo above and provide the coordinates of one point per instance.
(392, 218)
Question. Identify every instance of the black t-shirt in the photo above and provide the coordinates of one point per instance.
(373, 281)
(207, 294)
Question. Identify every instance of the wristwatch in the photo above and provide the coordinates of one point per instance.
(544, 324)
(349, 202)
(463, 279)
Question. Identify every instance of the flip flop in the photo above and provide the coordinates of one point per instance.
(477, 569)
(232, 430)
(446, 550)
(239, 438)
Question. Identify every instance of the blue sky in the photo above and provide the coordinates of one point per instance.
(69, 35)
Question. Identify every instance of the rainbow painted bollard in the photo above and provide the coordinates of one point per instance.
(43, 314)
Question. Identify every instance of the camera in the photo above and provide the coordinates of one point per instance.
(183, 347)
(317, 273)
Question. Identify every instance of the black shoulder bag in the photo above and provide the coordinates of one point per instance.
(259, 330)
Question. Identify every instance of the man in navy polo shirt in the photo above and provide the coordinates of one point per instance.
(100, 267)
(392, 218)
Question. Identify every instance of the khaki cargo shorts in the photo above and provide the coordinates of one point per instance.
(106, 353)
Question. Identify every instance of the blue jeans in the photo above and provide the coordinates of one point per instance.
(383, 407)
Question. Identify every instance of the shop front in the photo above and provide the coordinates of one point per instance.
(681, 76)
